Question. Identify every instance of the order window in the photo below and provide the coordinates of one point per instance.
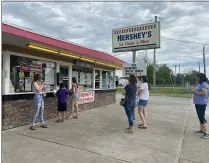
(23, 69)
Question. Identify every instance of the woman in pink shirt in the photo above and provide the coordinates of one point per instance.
(74, 97)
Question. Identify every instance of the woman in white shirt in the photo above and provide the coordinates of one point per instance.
(143, 93)
(139, 83)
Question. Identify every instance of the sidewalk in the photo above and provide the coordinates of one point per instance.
(98, 137)
(194, 149)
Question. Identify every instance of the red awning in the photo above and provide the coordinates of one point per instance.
(60, 44)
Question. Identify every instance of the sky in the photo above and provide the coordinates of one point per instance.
(90, 24)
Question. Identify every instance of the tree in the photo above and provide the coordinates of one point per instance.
(191, 76)
(142, 57)
(163, 75)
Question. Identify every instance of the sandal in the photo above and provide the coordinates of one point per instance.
(44, 126)
(199, 132)
(32, 128)
(142, 127)
(58, 120)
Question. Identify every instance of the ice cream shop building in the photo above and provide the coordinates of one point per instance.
(25, 53)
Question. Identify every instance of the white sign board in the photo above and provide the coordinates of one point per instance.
(137, 69)
(86, 97)
(140, 37)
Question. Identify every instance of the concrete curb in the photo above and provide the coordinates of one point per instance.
(178, 155)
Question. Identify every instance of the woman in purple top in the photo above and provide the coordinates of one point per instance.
(200, 99)
(62, 95)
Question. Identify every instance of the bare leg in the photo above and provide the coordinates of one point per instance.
(201, 127)
(60, 116)
(76, 106)
(63, 116)
(142, 116)
(72, 111)
(145, 113)
(205, 128)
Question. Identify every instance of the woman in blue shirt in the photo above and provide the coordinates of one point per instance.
(200, 99)
(130, 97)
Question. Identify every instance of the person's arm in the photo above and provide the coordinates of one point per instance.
(124, 90)
(73, 88)
(140, 90)
(67, 94)
(203, 92)
(37, 88)
(57, 93)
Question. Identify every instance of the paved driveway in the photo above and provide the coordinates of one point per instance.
(98, 136)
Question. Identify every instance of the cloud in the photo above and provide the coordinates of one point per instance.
(90, 24)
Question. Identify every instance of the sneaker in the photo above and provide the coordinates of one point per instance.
(205, 136)
(44, 126)
(130, 130)
(32, 128)
(200, 132)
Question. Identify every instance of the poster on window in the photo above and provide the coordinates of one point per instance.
(86, 97)
(82, 78)
(89, 78)
(49, 76)
(75, 74)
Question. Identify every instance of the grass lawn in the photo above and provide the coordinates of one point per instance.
(166, 92)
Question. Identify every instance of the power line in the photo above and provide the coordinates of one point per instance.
(190, 42)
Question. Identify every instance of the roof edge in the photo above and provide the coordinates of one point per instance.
(50, 37)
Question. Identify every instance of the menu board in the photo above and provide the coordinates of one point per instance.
(49, 76)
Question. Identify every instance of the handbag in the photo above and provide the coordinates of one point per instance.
(122, 101)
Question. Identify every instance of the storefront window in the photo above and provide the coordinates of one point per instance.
(107, 79)
(84, 77)
(112, 79)
(97, 79)
(63, 75)
(22, 71)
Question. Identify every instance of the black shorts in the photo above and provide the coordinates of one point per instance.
(201, 113)
(62, 107)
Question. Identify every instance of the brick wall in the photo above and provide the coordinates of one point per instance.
(18, 113)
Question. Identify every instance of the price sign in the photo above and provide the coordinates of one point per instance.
(136, 69)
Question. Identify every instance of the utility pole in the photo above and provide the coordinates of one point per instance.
(154, 71)
(175, 68)
(179, 68)
(204, 60)
(199, 66)
(134, 56)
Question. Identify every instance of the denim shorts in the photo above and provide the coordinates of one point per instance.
(136, 101)
(142, 102)
(75, 96)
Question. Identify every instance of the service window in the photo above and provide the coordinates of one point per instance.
(84, 77)
(22, 70)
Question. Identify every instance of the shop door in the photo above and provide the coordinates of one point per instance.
(63, 75)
